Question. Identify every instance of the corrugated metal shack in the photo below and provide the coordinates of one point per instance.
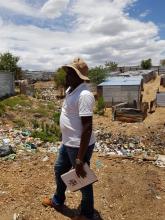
(147, 75)
(162, 80)
(162, 70)
(119, 89)
(123, 69)
(7, 86)
(160, 99)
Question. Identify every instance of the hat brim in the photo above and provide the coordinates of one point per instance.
(77, 71)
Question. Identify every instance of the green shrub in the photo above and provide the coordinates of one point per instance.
(100, 106)
(17, 100)
(49, 134)
(56, 118)
(42, 110)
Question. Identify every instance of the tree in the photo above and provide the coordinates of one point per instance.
(162, 62)
(146, 64)
(97, 74)
(111, 66)
(8, 62)
(60, 80)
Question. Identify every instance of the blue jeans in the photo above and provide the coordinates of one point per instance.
(64, 162)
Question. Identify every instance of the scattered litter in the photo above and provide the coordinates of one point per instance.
(26, 133)
(158, 197)
(3, 193)
(120, 145)
(45, 159)
(9, 157)
(99, 164)
(17, 217)
(30, 145)
(160, 162)
(53, 150)
(6, 142)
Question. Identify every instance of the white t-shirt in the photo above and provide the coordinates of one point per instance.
(78, 103)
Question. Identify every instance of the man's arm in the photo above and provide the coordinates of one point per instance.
(85, 138)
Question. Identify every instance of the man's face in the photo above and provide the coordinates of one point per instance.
(72, 79)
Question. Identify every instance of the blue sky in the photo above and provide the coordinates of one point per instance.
(46, 34)
(150, 10)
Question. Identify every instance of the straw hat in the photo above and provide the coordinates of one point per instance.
(80, 68)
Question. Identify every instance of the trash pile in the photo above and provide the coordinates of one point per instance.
(49, 94)
(14, 142)
(110, 144)
(119, 144)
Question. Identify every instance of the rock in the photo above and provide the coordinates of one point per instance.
(160, 162)
(5, 151)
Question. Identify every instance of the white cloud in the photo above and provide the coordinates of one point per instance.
(1, 22)
(101, 32)
(18, 6)
(54, 8)
(145, 13)
(51, 9)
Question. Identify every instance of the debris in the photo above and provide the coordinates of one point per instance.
(9, 157)
(129, 115)
(53, 150)
(160, 162)
(99, 164)
(3, 193)
(6, 142)
(5, 151)
(26, 133)
(45, 159)
(158, 197)
(17, 217)
(30, 145)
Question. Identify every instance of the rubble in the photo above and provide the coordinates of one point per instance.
(17, 142)
(49, 94)
(14, 141)
(122, 145)
(160, 162)
(5, 151)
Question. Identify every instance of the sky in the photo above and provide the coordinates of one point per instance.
(46, 34)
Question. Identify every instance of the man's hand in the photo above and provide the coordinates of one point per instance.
(80, 170)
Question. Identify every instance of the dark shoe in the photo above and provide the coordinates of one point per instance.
(48, 202)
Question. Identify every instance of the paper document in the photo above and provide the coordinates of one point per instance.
(74, 183)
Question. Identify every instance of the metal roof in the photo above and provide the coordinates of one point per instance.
(137, 72)
(122, 81)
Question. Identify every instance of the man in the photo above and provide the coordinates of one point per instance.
(77, 137)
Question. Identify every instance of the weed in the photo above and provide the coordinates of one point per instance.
(16, 100)
(50, 135)
(56, 118)
(51, 106)
(100, 106)
(35, 123)
(2, 109)
(20, 123)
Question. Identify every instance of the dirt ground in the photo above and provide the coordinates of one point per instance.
(127, 189)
